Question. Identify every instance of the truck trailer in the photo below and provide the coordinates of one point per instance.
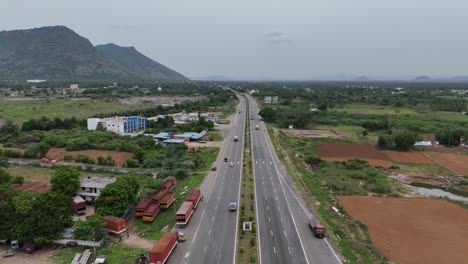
(184, 213)
(163, 248)
(79, 204)
(141, 207)
(194, 197)
(151, 212)
(114, 225)
(167, 200)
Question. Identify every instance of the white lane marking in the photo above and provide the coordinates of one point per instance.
(271, 231)
(284, 231)
(263, 182)
(269, 220)
(238, 162)
(274, 249)
(333, 251)
(268, 208)
(187, 254)
(289, 250)
(256, 162)
(276, 198)
(270, 162)
(204, 251)
(212, 219)
(274, 190)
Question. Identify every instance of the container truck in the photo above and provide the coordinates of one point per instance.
(114, 224)
(163, 248)
(167, 200)
(194, 197)
(236, 138)
(165, 188)
(141, 207)
(151, 212)
(184, 213)
(79, 204)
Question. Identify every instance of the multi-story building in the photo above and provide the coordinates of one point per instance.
(119, 124)
(91, 186)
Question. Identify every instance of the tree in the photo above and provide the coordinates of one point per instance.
(66, 181)
(268, 114)
(7, 214)
(132, 163)
(89, 229)
(406, 140)
(180, 174)
(5, 176)
(112, 200)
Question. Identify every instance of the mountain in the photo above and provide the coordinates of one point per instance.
(58, 53)
(423, 78)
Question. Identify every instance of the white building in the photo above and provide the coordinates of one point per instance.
(119, 124)
(36, 81)
(91, 186)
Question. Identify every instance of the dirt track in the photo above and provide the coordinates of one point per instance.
(408, 157)
(119, 156)
(342, 152)
(413, 231)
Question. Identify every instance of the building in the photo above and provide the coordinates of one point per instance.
(36, 81)
(91, 186)
(270, 99)
(119, 124)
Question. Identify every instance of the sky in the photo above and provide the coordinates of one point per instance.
(269, 39)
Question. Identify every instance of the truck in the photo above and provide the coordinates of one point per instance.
(79, 204)
(257, 127)
(165, 188)
(141, 207)
(194, 197)
(167, 200)
(318, 230)
(151, 212)
(163, 248)
(236, 138)
(114, 225)
(184, 213)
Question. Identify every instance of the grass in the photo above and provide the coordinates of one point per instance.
(424, 169)
(21, 111)
(247, 240)
(166, 218)
(366, 109)
(115, 253)
(215, 136)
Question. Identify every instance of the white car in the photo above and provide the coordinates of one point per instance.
(231, 164)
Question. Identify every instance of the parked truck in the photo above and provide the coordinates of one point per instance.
(151, 212)
(114, 225)
(141, 207)
(79, 204)
(184, 213)
(257, 127)
(163, 248)
(194, 197)
(167, 200)
(236, 138)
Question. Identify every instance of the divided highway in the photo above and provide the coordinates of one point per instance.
(211, 233)
(282, 221)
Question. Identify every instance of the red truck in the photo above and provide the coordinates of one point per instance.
(114, 224)
(167, 200)
(151, 212)
(165, 188)
(141, 207)
(194, 197)
(79, 204)
(163, 248)
(184, 213)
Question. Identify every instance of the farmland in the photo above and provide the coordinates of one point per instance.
(456, 163)
(118, 156)
(344, 152)
(408, 157)
(413, 231)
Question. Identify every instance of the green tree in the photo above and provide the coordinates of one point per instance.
(7, 214)
(66, 181)
(113, 200)
(132, 163)
(89, 229)
(268, 114)
(406, 140)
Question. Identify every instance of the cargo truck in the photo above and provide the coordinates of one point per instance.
(167, 200)
(236, 138)
(79, 204)
(163, 248)
(318, 230)
(151, 212)
(194, 197)
(114, 225)
(184, 213)
(141, 207)
(167, 187)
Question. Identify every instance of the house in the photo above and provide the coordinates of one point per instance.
(267, 99)
(423, 144)
(91, 186)
(119, 124)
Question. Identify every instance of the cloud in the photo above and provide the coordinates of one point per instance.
(122, 27)
(276, 36)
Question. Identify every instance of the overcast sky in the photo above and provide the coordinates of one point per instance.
(288, 39)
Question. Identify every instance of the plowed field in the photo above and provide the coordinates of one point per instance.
(343, 152)
(413, 231)
(119, 156)
(453, 162)
(409, 157)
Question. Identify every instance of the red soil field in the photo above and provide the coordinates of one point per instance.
(413, 231)
(119, 156)
(343, 152)
(408, 157)
(456, 163)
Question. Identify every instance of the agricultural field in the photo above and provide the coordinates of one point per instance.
(119, 156)
(314, 133)
(344, 152)
(413, 231)
(408, 157)
(456, 163)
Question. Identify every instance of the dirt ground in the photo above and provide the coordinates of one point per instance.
(413, 231)
(208, 144)
(313, 133)
(31, 174)
(408, 157)
(343, 152)
(119, 156)
(40, 257)
(456, 163)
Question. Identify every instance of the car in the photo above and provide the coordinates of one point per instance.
(231, 164)
(318, 230)
(213, 168)
(232, 206)
(202, 141)
(32, 248)
(225, 159)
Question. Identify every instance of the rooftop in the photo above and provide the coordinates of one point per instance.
(96, 181)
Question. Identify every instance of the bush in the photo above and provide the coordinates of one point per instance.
(180, 174)
(132, 163)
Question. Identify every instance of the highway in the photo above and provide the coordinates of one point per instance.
(282, 219)
(211, 233)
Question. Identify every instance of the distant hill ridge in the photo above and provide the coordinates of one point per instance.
(58, 53)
